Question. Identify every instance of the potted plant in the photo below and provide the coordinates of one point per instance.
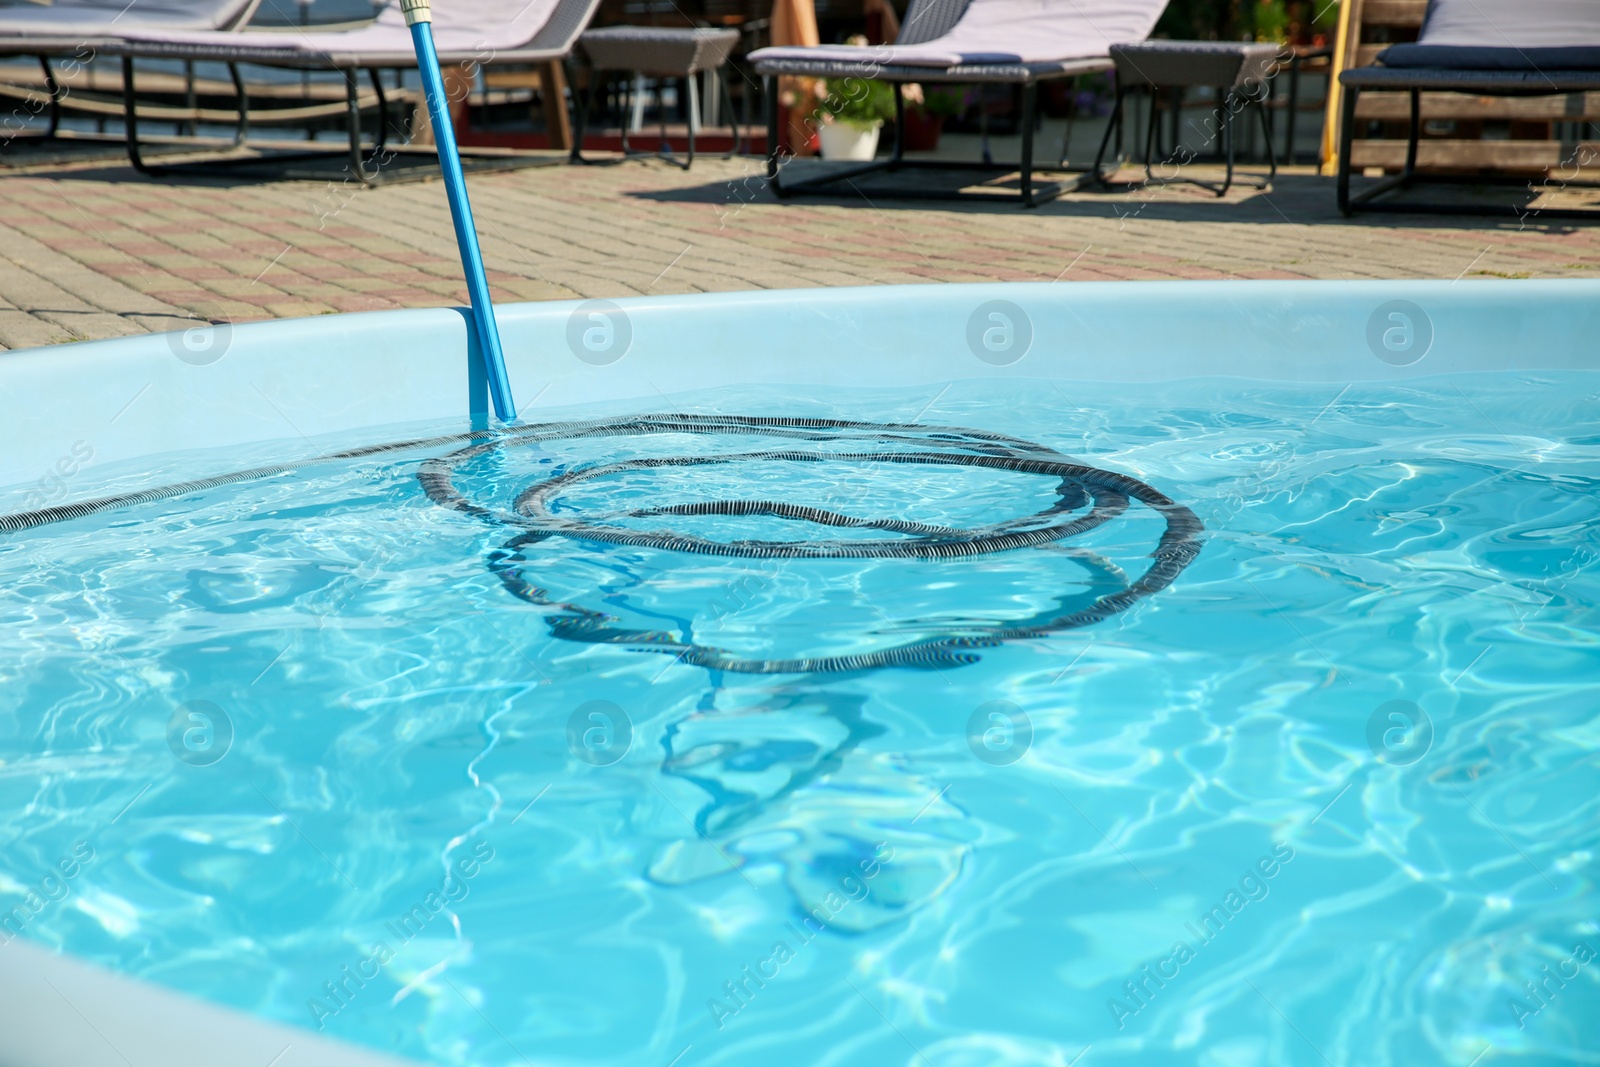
(852, 113)
(925, 116)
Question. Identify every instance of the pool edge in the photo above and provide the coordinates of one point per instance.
(285, 379)
(79, 1015)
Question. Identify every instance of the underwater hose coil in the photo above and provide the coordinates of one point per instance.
(1085, 497)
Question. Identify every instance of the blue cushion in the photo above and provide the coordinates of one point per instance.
(1477, 57)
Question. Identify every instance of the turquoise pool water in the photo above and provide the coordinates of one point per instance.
(297, 744)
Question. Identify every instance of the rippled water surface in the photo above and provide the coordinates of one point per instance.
(1330, 797)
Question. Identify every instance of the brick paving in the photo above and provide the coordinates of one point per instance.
(97, 251)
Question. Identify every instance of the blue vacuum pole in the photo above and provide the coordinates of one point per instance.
(420, 19)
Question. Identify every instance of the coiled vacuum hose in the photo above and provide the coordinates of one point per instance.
(1104, 493)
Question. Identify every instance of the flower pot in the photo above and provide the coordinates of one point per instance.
(843, 141)
(920, 132)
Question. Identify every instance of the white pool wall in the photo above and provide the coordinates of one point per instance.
(59, 1012)
(301, 378)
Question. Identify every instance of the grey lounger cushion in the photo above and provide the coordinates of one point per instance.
(480, 31)
(991, 33)
(104, 18)
(1504, 35)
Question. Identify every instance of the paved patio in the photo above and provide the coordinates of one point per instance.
(97, 251)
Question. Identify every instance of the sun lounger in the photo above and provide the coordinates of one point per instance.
(1016, 42)
(465, 31)
(1481, 47)
(513, 31)
(76, 29)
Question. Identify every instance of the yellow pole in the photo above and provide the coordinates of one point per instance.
(1343, 53)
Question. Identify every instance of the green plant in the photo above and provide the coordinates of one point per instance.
(1199, 20)
(1271, 21)
(945, 104)
(1243, 20)
(1325, 16)
(864, 105)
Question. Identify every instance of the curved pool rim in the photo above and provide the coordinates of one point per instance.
(298, 379)
(288, 382)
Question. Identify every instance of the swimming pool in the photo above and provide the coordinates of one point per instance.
(1138, 674)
